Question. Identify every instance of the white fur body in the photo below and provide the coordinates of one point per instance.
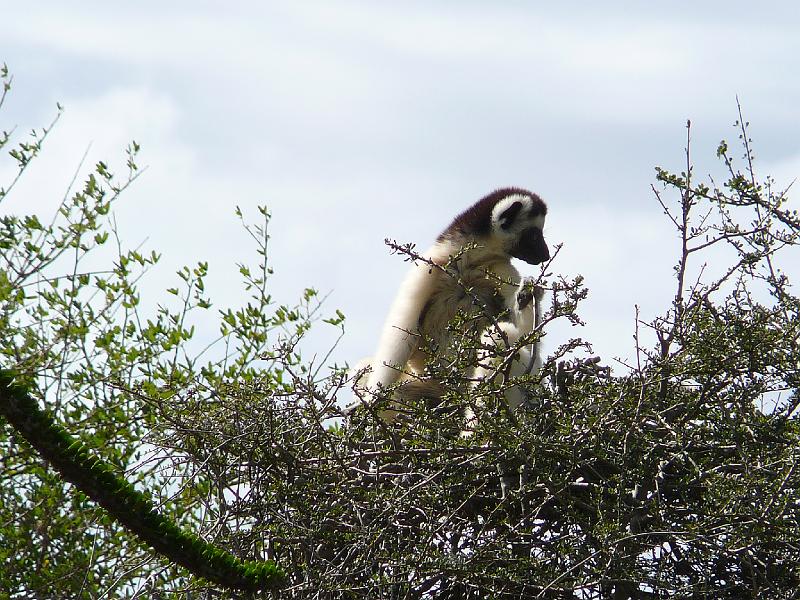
(467, 271)
(495, 343)
(429, 298)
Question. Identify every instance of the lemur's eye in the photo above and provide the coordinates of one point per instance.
(509, 215)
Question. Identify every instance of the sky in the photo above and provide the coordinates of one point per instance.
(359, 121)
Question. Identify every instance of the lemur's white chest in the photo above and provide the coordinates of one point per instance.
(478, 288)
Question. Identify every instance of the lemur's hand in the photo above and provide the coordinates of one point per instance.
(527, 291)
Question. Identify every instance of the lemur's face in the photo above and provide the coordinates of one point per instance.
(519, 221)
(531, 246)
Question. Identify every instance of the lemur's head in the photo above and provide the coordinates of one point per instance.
(509, 219)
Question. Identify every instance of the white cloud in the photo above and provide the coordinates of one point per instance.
(103, 125)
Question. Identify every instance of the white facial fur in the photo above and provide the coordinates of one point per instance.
(504, 205)
(521, 219)
(506, 231)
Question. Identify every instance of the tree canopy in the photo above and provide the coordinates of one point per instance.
(672, 477)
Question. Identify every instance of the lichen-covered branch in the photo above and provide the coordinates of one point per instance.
(131, 508)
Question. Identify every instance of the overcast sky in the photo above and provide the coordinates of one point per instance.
(357, 121)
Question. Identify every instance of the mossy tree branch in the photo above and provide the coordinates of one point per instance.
(96, 478)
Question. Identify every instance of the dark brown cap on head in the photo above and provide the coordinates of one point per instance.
(477, 219)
